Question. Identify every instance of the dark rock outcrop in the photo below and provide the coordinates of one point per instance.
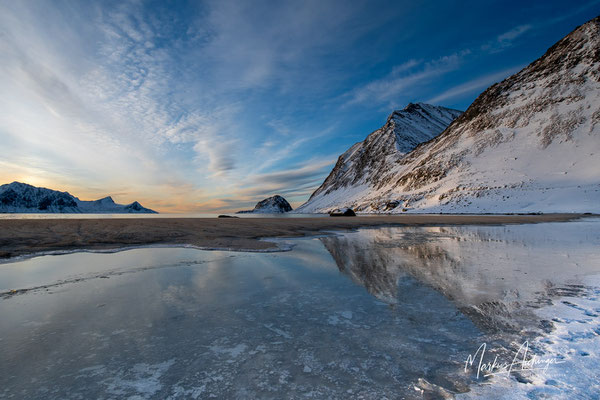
(272, 205)
(344, 212)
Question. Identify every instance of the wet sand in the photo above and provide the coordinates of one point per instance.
(20, 237)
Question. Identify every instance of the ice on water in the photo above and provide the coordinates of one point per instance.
(386, 312)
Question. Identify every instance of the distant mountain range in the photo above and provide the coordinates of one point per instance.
(528, 144)
(19, 197)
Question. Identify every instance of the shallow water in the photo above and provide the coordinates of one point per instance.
(387, 312)
(161, 215)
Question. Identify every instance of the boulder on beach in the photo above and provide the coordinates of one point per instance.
(342, 212)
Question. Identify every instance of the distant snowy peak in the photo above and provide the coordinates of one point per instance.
(530, 143)
(20, 197)
(105, 201)
(365, 163)
(136, 207)
(272, 205)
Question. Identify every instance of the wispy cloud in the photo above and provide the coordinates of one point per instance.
(404, 78)
(259, 44)
(571, 13)
(506, 39)
(407, 78)
(473, 85)
(295, 183)
(512, 34)
(298, 175)
(109, 109)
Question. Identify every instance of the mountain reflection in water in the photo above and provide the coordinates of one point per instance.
(495, 275)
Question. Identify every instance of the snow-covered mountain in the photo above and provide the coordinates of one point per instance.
(528, 144)
(364, 167)
(108, 205)
(271, 205)
(19, 197)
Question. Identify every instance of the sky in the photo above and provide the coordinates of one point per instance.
(211, 106)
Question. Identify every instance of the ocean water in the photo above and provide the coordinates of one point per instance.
(162, 215)
(376, 313)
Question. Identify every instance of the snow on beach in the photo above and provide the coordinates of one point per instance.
(568, 355)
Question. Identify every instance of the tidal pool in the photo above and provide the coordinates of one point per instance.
(376, 313)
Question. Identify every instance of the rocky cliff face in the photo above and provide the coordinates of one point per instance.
(363, 168)
(272, 205)
(19, 197)
(528, 144)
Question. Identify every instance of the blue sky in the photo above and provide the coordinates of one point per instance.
(212, 106)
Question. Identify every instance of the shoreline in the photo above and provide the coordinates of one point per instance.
(23, 238)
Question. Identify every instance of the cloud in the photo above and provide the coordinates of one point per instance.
(219, 154)
(110, 109)
(512, 34)
(474, 85)
(295, 183)
(406, 66)
(277, 149)
(308, 172)
(573, 12)
(506, 39)
(403, 79)
(261, 44)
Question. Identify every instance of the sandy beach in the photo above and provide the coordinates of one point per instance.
(20, 237)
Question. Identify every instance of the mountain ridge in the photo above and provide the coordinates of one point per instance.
(366, 161)
(526, 144)
(17, 197)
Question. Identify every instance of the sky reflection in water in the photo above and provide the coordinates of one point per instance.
(379, 312)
